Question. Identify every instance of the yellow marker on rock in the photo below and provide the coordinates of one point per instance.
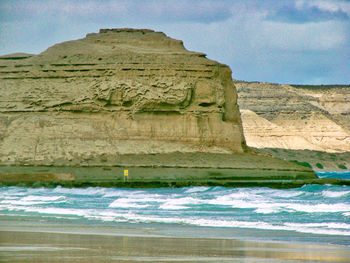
(126, 174)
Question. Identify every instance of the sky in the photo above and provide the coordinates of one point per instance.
(279, 41)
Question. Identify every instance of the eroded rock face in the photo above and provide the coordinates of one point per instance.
(295, 117)
(119, 91)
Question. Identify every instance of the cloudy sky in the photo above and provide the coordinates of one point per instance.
(284, 41)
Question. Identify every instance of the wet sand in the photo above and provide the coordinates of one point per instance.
(74, 243)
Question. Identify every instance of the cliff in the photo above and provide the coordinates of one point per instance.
(295, 117)
(126, 98)
(307, 123)
(100, 96)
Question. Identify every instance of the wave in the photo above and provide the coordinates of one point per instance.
(316, 209)
(330, 228)
(197, 189)
(335, 194)
(180, 203)
(34, 200)
(127, 203)
(50, 210)
(332, 225)
(97, 191)
(319, 208)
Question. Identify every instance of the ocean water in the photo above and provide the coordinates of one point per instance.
(319, 210)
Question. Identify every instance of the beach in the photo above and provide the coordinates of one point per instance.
(57, 242)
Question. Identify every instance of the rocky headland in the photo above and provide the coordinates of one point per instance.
(130, 99)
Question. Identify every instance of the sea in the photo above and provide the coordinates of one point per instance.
(312, 213)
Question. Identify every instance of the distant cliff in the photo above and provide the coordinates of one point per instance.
(295, 117)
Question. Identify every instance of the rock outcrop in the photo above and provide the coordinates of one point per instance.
(103, 95)
(295, 117)
(128, 98)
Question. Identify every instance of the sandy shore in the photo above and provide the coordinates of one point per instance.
(36, 242)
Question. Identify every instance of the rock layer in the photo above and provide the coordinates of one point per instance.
(119, 91)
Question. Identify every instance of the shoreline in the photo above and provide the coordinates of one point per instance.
(35, 241)
(50, 224)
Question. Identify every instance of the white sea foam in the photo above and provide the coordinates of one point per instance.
(23, 203)
(268, 210)
(319, 208)
(259, 204)
(145, 197)
(116, 193)
(59, 211)
(231, 223)
(238, 224)
(127, 193)
(108, 216)
(169, 206)
(132, 217)
(80, 191)
(335, 194)
(237, 203)
(284, 193)
(266, 207)
(51, 210)
(43, 198)
(33, 200)
(179, 203)
(266, 226)
(241, 195)
(127, 203)
(320, 228)
(332, 225)
(197, 189)
(300, 207)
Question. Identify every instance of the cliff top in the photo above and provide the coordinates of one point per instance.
(110, 45)
(16, 56)
(128, 30)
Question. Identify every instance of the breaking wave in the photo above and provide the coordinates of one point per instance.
(315, 209)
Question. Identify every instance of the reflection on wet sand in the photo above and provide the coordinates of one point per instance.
(17, 246)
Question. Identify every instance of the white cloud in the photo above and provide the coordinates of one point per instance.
(301, 37)
(327, 5)
(204, 11)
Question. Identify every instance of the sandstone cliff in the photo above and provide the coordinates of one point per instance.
(295, 117)
(119, 91)
(131, 98)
